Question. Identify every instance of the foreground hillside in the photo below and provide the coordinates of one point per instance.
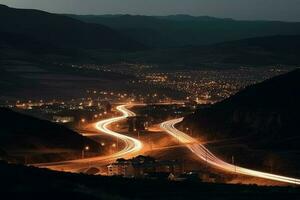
(24, 136)
(267, 112)
(30, 183)
(258, 126)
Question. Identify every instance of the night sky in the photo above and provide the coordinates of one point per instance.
(285, 10)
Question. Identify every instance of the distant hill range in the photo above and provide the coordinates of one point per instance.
(269, 50)
(177, 40)
(185, 30)
(23, 135)
(267, 114)
(42, 29)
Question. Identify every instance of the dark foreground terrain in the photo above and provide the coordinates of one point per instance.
(27, 139)
(31, 183)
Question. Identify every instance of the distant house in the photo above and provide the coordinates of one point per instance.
(121, 169)
(141, 166)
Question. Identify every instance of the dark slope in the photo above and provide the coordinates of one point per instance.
(271, 50)
(183, 30)
(20, 182)
(281, 49)
(267, 113)
(61, 31)
(24, 133)
(147, 30)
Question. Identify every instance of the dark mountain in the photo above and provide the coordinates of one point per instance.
(46, 29)
(280, 49)
(271, 50)
(150, 31)
(267, 114)
(22, 133)
(183, 30)
(183, 17)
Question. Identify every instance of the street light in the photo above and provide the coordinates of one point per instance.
(86, 148)
(187, 130)
(113, 147)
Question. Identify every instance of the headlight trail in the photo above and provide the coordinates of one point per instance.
(132, 146)
(203, 153)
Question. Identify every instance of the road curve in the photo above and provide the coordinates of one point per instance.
(203, 153)
(132, 146)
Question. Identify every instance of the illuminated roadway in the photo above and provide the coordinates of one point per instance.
(132, 146)
(203, 153)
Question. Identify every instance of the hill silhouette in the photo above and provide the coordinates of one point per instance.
(267, 113)
(22, 133)
(185, 30)
(61, 31)
(268, 50)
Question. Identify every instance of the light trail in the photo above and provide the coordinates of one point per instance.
(132, 146)
(203, 153)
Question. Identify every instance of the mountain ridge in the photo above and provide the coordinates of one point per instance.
(58, 30)
(23, 133)
(267, 112)
(182, 30)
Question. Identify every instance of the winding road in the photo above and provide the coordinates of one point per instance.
(132, 146)
(204, 154)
